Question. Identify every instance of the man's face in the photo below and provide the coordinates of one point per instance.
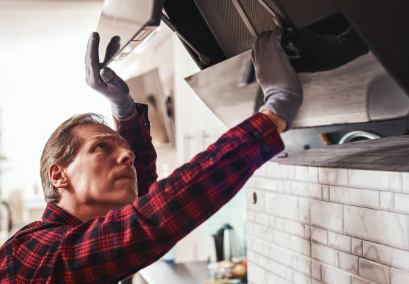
(102, 172)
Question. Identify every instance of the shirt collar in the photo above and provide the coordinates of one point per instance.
(53, 213)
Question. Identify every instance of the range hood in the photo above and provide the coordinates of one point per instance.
(360, 91)
(224, 29)
(372, 87)
(133, 21)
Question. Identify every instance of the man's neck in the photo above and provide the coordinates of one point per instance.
(84, 212)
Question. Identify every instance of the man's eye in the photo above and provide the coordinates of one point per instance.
(100, 146)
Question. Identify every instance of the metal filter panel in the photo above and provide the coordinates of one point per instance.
(228, 27)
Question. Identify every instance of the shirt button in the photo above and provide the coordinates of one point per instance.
(211, 158)
(256, 133)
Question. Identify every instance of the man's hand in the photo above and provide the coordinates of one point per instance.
(281, 86)
(104, 80)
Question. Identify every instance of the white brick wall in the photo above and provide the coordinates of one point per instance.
(314, 225)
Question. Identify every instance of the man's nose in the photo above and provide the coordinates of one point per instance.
(126, 157)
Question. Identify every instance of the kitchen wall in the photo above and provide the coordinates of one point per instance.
(316, 224)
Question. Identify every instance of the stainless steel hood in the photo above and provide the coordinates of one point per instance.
(131, 20)
(372, 87)
(359, 91)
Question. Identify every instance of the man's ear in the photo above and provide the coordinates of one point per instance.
(58, 176)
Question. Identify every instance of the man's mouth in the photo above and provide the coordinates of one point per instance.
(127, 175)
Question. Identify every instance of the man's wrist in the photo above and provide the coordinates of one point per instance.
(129, 117)
(278, 121)
(123, 108)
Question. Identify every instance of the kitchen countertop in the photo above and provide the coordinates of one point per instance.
(182, 273)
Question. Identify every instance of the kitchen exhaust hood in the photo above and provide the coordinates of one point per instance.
(360, 91)
(133, 21)
(218, 35)
(374, 86)
(224, 29)
(220, 30)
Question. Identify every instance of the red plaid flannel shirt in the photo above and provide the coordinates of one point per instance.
(107, 249)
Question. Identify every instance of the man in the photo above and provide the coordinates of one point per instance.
(107, 217)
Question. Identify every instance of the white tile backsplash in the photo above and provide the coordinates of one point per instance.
(390, 181)
(278, 254)
(301, 173)
(290, 227)
(300, 278)
(325, 192)
(304, 206)
(380, 226)
(319, 236)
(281, 239)
(325, 254)
(275, 279)
(401, 202)
(320, 225)
(356, 280)
(251, 216)
(399, 276)
(316, 191)
(339, 241)
(333, 276)
(262, 171)
(280, 205)
(360, 197)
(266, 233)
(374, 271)
(303, 264)
(261, 218)
(356, 246)
(300, 245)
(313, 174)
(405, 182)
(387, 201)
(327, 215)
(333, 176)
(307, 232)
(386, 255)
(269, 184)
(348, 262)
(256, 274)
(277, 268)
(280, 171)
(299, 188)
(316, 270)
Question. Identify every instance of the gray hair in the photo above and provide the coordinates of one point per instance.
(61, 149)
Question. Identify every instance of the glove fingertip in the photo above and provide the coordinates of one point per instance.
(107, 74)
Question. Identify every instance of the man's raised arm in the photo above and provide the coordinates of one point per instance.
(131, 120)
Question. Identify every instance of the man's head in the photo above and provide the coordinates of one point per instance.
(89, 162)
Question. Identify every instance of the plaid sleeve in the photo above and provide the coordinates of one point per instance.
(178, 204)
(113, 247)
(137, 133)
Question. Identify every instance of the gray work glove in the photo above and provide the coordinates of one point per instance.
(280, 84)
(104, 80)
